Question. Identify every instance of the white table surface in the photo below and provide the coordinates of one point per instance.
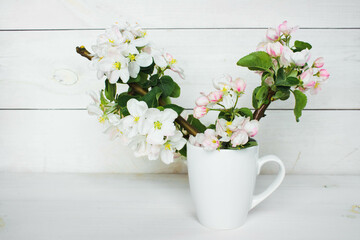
(150, 206)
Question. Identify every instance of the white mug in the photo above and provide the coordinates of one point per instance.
(222, 184)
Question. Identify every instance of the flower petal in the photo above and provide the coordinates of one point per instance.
(134, 69)
(167, 156)
(143, 59)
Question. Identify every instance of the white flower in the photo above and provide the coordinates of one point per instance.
(210, 142)
(197, 140)
(285, 58)
(223, 82)
(251, 127)
(226, 128)
(95, 109)
(175, 142)
(240, 137)
(164, 60)
(130, 123)
(158, 125)
(229, 98)
(136, 61)
(114, 67)
(115, 128)
(300, 58)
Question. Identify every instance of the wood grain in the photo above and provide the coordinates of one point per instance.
(74, 14)
(115, 206)
(27, 67)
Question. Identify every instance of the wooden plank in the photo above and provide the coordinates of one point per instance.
(177, 14)
(27, 67)
(115, 206)
(324, 142)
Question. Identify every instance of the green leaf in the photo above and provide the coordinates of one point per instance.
(259, 96)
(250, 143)
(149, 69)
(288, 82)
(300, 45)
(183, 151)
(152, 97)
(256, 61)
(245, 112)
(122, 99)
(282, 93)
(196, 123)
(153, 81)
(110, 90)
(175, 107)
(300, 103)
(280, 76)
(167, 85)
(176, 92)
(225, 115)
(103, 100)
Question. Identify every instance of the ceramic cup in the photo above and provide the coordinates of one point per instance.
(222, 184)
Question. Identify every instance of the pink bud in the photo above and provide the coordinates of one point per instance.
(202, 101)
(307, 78)
(239, 85)
(274, 49)
(200, 111)
(272, 34)
(324, 75)
(319, 62)
(215, 96)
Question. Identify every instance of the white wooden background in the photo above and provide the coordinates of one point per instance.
(44, 126)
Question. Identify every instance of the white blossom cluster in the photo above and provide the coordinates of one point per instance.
(147, 131)
(123, 49)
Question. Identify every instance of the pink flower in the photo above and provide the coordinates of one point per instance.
(283, 28)
(240, 137)
(215, 96)
(210, 142)
(319, 62)
(307, 78)
(200, 111)
(202, 101)
(272, 34)
(239, 85)
(324, 75)
(274, 49)
(315, 89)
(251, 127)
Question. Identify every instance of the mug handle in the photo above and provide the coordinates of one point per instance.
(275, 184)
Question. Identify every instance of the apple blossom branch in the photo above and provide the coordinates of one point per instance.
(138, 89)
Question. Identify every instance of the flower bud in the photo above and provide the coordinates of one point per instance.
(324, 75)
(200, 111)
(319, 62)
(307, 78)
(202, 101)
(215, 96)
(239, 85)
(274, 49)
(283, 28)
(272, 34)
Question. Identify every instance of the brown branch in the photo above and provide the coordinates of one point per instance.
(137, 88)
(259, 113)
